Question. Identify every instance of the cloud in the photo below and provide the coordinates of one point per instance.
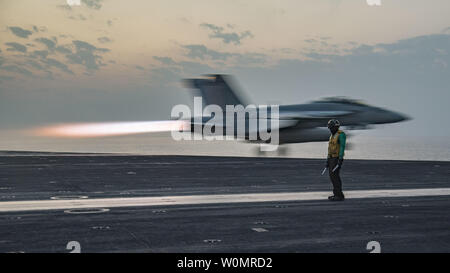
(194, 68)
(52, 57)
(171, 71)
(425, 44)
(63, 49)
(408, 76)
(93, 4)
(250, 58)
(35, 64)
(104, 40)
(226, 37)
(80, 17)
(87, 55)
(16, 69)
(164, 60)
(39, 53)
(64, 7)
(57, 64)
(20, 32)
(430, 51)
(47, 42)
(80, 13)
(39, 59)
(80, 45)
(311, 41)
(173, 74)
(43, 29)
(5, 78)
(13, 46)
(202, 52)
(286, 50)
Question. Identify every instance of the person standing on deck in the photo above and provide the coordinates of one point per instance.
(336, 148)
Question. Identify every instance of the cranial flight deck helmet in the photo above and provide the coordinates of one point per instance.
(333, 123)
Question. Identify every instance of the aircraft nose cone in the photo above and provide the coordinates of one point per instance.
(398, 117)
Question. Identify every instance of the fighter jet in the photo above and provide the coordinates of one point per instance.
(296, 123)
(275, 124)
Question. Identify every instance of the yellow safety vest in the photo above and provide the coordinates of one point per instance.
(333, 145)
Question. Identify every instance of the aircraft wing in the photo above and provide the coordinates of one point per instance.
(311, 119)
(282, 123)
(297, 118)
(313, 115)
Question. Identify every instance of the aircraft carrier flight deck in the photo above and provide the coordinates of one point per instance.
(127, 203)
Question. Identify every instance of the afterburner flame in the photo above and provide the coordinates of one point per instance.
(111, 128)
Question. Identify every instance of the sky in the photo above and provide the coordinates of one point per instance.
(115, 60)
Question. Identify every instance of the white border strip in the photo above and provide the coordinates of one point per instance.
(36, 205)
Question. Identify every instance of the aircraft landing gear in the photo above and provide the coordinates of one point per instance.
(281, 151)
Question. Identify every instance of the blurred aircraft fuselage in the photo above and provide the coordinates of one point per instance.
(296, 123)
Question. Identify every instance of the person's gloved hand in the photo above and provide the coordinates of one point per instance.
(340, 162)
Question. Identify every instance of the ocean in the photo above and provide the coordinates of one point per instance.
(359, 146)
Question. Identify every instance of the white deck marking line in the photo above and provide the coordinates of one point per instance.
(259, 229)
(36, 205)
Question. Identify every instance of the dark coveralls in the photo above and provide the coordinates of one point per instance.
(336, 148)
